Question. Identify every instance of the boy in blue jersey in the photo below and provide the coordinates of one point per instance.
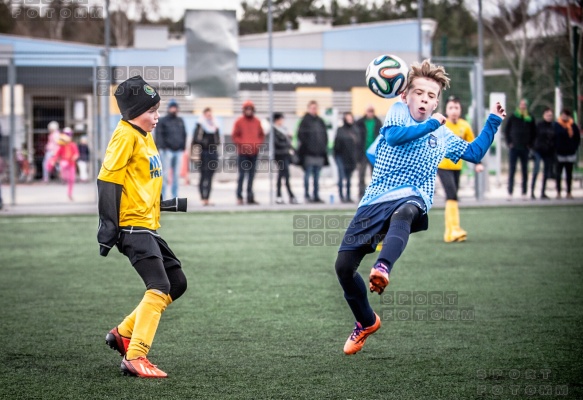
(412, 143)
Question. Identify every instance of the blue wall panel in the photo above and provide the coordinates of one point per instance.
(282, 58)
(399, 38)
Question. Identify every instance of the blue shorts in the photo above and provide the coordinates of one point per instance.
(371, 223)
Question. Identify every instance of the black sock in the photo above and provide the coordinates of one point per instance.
(355, 289)
(394, 242)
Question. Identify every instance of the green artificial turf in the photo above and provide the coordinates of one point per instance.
(265, 319)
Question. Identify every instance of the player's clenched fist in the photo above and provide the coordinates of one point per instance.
(499, 111)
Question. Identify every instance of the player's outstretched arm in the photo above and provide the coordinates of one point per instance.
(108, 201)
(396, 135)
(479, 147)
(176, 204)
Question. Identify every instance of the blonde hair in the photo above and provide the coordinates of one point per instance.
(430, 71)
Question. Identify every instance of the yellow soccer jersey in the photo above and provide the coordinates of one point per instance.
(463, 130)
(132, 160)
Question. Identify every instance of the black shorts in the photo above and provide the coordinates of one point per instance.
(371, 223)
(139, 243)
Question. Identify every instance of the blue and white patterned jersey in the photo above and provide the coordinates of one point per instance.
(409, 169)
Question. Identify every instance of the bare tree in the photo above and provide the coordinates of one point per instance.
(55, 15)
(510, 31)
(531, 41)
(123, 15)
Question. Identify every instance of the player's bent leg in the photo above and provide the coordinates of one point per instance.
(367, 322)
(353, 285)
(178, 283)
(147, 318)
(394, 244)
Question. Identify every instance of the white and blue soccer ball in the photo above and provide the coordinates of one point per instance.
(386, 76)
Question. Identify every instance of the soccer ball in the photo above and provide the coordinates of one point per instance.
(386, 76)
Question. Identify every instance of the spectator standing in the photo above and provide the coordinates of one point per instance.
(282, 149)
(449, 172)
(369, 127)
(67, 155)
(347, 148)
(313, 150)
(207, 136)
(83, 161)
(171, 143)
(568, 140)
(543, 150)
(50, 148)
(248, 135)
(520, 132)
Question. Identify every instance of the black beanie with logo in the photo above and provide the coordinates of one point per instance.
(134, 97)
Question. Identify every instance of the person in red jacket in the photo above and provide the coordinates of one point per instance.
(248, 135)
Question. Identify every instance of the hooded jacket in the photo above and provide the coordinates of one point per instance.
(171, 133)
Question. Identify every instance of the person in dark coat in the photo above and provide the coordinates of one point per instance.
(347, 148)
(543, 150)
(568, 138)
(207, 136)
(369, 127)
(520, 132)
(171, 142)
(313, 151)
(282, 150)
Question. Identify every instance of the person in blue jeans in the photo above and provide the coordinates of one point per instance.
(171, 142)
(346, 152)
(313, 150)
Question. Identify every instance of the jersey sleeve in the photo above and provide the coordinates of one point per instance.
(117, 156)
(455, 146)
(395, 130)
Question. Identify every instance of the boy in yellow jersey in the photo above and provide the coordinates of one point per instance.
(129, 201)
(449, 172)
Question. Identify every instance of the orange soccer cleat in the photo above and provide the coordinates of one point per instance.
(358, 336)
(379, 278)
(117, 342)
(141, 368)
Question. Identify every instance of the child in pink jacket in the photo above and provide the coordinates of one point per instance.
(67, 155)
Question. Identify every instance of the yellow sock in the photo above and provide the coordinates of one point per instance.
(126, 328)
(148, 315)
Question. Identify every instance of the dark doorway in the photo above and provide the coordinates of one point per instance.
(44, 110)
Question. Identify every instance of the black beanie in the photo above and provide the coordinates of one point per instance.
(134, 97)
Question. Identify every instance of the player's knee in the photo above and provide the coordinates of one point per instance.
(178, 287)
(344, 266)
(163, 285)
(407, 212)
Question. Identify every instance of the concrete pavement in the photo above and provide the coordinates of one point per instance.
(51, 199)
